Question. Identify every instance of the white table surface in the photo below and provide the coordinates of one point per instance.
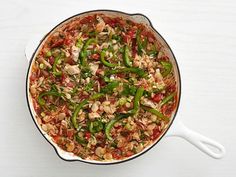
(202, 35)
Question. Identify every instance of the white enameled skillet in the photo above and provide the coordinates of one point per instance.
(175, 128)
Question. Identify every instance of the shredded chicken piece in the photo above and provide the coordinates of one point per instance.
(101, 24)
(93, 115)
(75, 53)
(42, 60)
(94, 68)
(72, 69)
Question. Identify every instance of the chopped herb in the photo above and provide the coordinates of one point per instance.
(86, 72)
(128, 90)
(89, 86)
(116, 37)
(108, 89)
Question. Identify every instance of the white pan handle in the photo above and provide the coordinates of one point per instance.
(198, 140)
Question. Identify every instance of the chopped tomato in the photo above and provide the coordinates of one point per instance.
(59, 42)
(167, 109)
(101, 81)
(121, 75)
(112, 100)
(85, 35)
(87, 135)
(88, 19)
(44, 73)
(122, 109)
(70, 84)
(116, 154)
(70, 61)
(129, 153)
(171, 88)
(51, 60)
(165, 58)
(82, 97)
(156, 133)
(131, 33)
(33, 77)
(67, 41)
(110, 22)
(56, 138)
(134, 48)
(63, 78)
(157, 97)
(66, 111)
(70, 133)
(126, 38)
(95, 56)
(118, 127)
(36, 107)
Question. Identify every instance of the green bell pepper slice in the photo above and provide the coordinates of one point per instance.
(139, 43)
(168, 98)
(167, 68)
(155, 112)
(126, 58)
(110, 124)
(76, 112)
(95, 126)
(80, 106)
(42, 102)
(83, 53)
(81, 140)
(106, 63)
(137, 97)
(54, 67)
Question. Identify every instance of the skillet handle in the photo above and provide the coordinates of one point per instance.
(198, 140)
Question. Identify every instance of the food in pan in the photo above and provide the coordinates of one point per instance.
(103, 87)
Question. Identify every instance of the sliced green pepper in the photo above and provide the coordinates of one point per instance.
(153, 52)
(116, 37)
(96, 96)
(42, 102)
(54, 67)
(74, 91)
(54, 88)
(138, 71)
(139, 43)
(137, 97)
(126, 58)
(80, 140)
(92, 33)
(168, 98)
(95, 126)
(128, 90)
(76, 112)
(86, 72)
(155, 112)
(48, 54)
(145, 43)
(167, 68)
(110, 124)
(89, 86)
(83, 53)
(80, 106)
(106, 63)
(79, 43)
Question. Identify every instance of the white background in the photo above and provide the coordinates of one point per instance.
(202, 35)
